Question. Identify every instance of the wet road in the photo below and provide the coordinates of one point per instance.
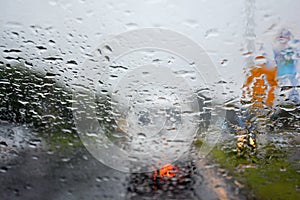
(30, 171)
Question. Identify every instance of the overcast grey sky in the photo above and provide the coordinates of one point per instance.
(217, 25)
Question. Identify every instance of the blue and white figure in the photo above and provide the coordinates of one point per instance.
(286, 56)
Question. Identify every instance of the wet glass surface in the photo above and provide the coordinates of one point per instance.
(149, 100)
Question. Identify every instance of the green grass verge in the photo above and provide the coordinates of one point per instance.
(265, 175)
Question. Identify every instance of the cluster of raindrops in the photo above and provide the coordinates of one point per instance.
(154, 185)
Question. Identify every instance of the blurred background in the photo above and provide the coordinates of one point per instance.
(254, 47)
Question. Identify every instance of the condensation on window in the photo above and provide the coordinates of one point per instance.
(152, 99)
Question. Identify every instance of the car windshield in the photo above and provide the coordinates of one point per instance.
(154, 99)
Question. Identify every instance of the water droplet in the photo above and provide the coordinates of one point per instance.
(65, 159)
(51, 42)
(282, 169)
(108, 48)
(23, 102)
(118, 134)
(28, 64)
(211, 33)
(107, 58)
(191, 23)
(41, 48)
(141, 135)
(63, 179)
(3, 169)
(12, 51)
(99, 179)
(3, 144)
(224, 62)
(71, 63)
(131, 26)
(51, 58)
